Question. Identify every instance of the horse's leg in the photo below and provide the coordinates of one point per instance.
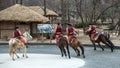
(24, 52)
(26, 45)
(61, 51)
(94, 45)
(16, 55)
(93, 42)
(82, 49)
(12, 54)
(101, 46)
(108, 40)
(68, 51)
(64, 51)
(104, 40)
(76, 50)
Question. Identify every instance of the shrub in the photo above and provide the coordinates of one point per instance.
(79, 25)
(111, 26)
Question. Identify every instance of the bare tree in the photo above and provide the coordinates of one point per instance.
(96, 10)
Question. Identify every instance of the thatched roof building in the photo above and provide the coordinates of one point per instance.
(21, 13)
(21, 16)
(40, 10)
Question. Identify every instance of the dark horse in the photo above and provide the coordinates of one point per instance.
(102, 38)
(63, 46)
(75, 43)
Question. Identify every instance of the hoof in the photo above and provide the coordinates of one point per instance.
(61, 55)
(18, 57)
(69, 57)
(94, 48)
(13, 59)
(83, 56)
(26, 56)
(78, 55)
(111, 50)
(26, 46)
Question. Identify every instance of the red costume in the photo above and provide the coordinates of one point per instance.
(70, 32)
(92, 30)
(57, 31)
(18, 35)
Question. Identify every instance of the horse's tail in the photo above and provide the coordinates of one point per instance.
(107, 35)
(11, 49)
(81, 47)
(12, 45)
(11, 41)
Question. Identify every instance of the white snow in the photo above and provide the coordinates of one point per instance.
(40, 61)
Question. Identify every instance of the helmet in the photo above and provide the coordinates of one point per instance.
(16, 28)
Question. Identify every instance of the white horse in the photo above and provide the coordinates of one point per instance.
(27, 36)
(15, 44)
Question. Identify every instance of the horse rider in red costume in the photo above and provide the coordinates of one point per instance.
(18, 35)
(58, 31)
(70, 31)
(92, 30)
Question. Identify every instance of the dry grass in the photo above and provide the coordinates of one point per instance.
(40, 10)
(21, 13)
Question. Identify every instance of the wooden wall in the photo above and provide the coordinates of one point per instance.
(7, 29)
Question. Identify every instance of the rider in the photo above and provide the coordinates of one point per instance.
(92, 30)
(57, 31)
(70, 31)
(18, 35)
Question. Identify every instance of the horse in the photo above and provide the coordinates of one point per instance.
(75, 43)
(27, 36)
(63, 46)
(15, 44)
(101, 37)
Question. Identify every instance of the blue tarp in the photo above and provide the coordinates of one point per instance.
(45, 28)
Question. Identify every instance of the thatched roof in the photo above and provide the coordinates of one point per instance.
(40, 10)
(21, 13)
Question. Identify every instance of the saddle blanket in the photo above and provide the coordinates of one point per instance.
(97, 36)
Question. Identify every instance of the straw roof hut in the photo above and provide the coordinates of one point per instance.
(21, 16)
(40, 10)
(49, 13)
(21, 13)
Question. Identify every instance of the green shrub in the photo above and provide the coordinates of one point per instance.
(111, 26)
(79, 25)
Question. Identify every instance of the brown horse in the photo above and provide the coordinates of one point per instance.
(104, 38)
(75, 43)
(63, 46)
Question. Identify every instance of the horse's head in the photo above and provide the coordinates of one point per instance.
(27, 36)
(87, 30)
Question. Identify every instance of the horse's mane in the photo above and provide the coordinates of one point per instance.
(27, 36)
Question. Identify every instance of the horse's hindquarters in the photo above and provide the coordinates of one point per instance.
(15, 44)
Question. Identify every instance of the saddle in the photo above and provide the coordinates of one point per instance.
(58, 33)
(61, 37)
(97, 35)
(72, 39)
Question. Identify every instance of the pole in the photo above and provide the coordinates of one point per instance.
(44, 7)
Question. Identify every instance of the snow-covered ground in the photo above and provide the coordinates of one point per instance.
(40, 61)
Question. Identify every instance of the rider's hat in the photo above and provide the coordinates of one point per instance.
(16, 28)
(58, 23)
(69, 24)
